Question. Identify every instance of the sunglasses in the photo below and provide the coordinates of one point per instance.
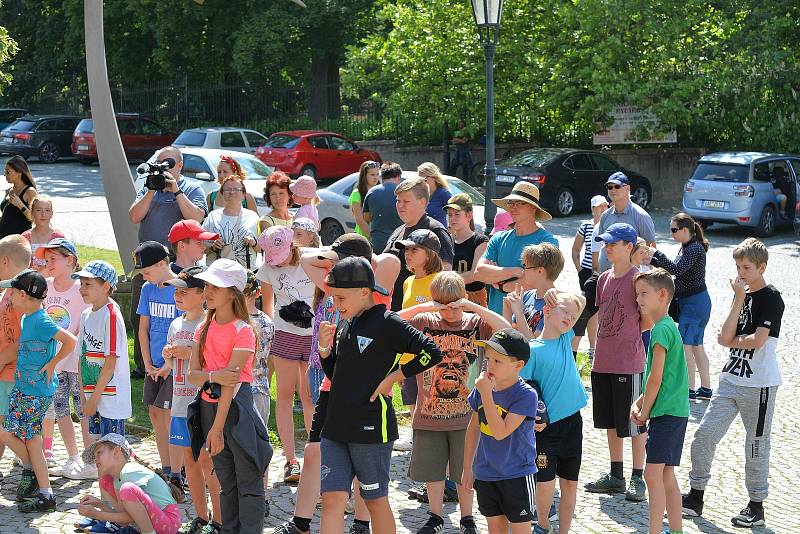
(614, 186)
(675, 230)
(232, 191)
(372, 165)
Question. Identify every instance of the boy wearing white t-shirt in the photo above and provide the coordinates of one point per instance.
(103, 348)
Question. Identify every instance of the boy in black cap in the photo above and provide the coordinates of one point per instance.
(34, 386)
(156, 310)
(500, 448)
(363, 366)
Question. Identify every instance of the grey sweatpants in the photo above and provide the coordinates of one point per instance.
(755, 406)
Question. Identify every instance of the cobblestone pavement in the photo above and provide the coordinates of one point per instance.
(594, 513)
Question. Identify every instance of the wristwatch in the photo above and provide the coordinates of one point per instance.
(179, 193)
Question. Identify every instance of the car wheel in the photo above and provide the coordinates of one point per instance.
(766, 223)
(477, 175)
(565, 202)
(309, 170)
(329, 231)
(641, 196)
(48, 152)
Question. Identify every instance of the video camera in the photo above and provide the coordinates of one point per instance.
(156, 177)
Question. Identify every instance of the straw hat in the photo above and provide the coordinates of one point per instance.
(524, 192)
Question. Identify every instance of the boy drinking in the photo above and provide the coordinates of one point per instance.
(500, 447)
(541, 266)
(35, 383)
(665, 401)
(559, 445)
(747, 385)
(363, 366)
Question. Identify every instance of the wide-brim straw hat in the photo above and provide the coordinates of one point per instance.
(528, 193)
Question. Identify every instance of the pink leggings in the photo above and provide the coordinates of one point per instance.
(166, 521)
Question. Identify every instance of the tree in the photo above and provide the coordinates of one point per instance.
(8, 47)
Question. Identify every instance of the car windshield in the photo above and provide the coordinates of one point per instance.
(22, 126)
(531, 158)
(253, 168)
(85, 126)
(191, 138)
(721, 172)
(457, 186)
(282, 141)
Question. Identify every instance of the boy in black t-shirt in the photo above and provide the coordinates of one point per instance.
(747, 385)
(362, 363)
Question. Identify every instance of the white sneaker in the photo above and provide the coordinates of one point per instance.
(69, 466)
(80, 471)
(402, 445)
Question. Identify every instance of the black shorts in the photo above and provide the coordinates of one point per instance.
(612, 397)
(514, 498)
(589, 288)
(157, 393)
(558, 449)
(318, 421)
(665, 435)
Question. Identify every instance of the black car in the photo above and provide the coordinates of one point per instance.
(567, 178)
(47, 137)
(9, 115)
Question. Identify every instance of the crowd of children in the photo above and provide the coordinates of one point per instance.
(495, 398)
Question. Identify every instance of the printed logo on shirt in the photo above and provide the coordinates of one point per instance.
(739, 363)
(59, 315)
(162, 309)
(369, 487)
(363, 343)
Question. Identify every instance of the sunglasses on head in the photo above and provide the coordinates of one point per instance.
(372, 165)
(614, 186)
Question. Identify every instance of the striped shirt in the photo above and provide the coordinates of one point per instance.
(585, 230)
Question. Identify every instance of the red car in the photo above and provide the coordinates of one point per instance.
(140, 138)
(318, 154)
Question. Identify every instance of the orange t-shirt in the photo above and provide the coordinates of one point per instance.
(9, 333)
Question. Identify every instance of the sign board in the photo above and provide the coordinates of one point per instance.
(632, 125)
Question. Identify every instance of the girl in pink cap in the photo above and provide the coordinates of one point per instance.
(304, 193)
(287, 294)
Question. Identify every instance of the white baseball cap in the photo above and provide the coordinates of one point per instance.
(225, 273)
(597, 200)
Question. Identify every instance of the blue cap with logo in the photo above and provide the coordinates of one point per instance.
(618, 178)
(618, 232)
(57, 242)
(98, 269)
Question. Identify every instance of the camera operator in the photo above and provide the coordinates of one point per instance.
(156, 211)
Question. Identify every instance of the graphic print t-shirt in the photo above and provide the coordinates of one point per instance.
(533, 308)
(65, 309)
(102, 334)
(757, 368)
(181, 334)
(9, 332)
(443, 390)
(289, 284)
(157, 303)
(619, 348)
(233, 229)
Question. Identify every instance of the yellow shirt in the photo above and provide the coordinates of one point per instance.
(415, 291)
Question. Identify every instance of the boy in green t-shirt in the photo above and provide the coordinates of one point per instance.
(664, 401)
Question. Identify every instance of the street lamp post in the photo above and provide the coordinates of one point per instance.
(487, 15)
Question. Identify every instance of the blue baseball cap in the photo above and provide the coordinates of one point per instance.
(98, 269)
(618, 232)
(58, 242)
(618, 178)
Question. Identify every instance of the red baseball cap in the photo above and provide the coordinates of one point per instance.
(190, 229)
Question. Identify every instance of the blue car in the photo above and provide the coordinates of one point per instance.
(754, 189)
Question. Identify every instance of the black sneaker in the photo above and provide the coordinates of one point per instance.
(434, 525)
(692, 505)
(467, 525)
(704, 393)
(358, 528)
(193, 527)
(416, 490)
(749, 517)
(266, 508)
(28, 486)
(176, 487)
(40, 503)
(287, 528)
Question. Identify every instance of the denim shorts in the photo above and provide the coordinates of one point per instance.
(25, 414)
(100, 426)
(368, 461)
(694, 312)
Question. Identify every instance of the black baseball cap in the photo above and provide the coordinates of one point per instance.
(29, 281)
(509, 342)
(186, 279)
(352, 272)
(420, 238)
(348, 245)
(149, 253)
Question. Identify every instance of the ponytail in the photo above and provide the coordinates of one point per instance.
(700, 236)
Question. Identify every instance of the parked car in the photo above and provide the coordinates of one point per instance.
(200, 167)
(315, 153)
(737, 188)
(140, 137)
(9, 115)
(222, 137)
(567, 178)
(335, 217)
(45, 136)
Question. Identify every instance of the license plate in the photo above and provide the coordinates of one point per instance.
(8, 139)
(714, 204)
(505, 179)
(83, 147)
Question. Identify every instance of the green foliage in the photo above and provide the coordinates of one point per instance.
(8, 47)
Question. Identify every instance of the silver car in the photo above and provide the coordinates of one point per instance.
(742, 188)
(221, 137)
(336, 218)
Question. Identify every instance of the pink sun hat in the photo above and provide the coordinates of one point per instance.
(276, 242)
(304, 186)
(502, 220)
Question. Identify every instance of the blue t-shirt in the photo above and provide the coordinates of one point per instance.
(534, 311)
(514, 456)
(164, 211)
(36, 348)
(505, 250)
(381, 204)
(157, 303)
(436, 205)
(553, 368)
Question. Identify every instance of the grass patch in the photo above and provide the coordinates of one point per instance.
(584, 364)
(86, 253)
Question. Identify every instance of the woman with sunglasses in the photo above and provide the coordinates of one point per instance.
(368, 177)
(16, 206)
(691, 296)
(226, 168)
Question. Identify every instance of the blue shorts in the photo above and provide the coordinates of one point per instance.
(367, 461)
(25, 414)
(100, 426)
(694, 312)
(179, 432)
(665, 435)
(5, 396)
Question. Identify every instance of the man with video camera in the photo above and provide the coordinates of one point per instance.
(166, 198)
